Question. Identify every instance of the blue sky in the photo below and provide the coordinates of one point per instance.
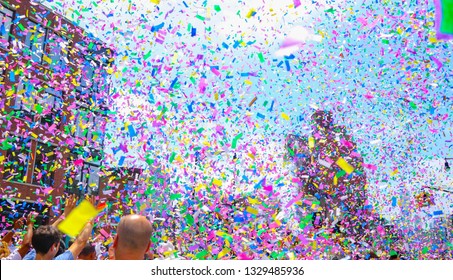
(378, 67)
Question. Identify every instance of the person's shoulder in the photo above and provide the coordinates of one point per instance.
(30, 256)
(66, 256)
(14, 256)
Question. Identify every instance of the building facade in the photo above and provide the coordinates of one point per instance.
(54, 90)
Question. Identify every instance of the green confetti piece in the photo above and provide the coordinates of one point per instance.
(291, 152)
(385, 41)
(39, 108)
(446, 24)
(201, 255)
(235, 140)
(261, 57)
(189, 220)
(172, 157)
(6, 145)
(340, 173)
(217, 8)
(413, 105)
(278, 180)
(305, 221)
(425, 250)
(200, 17)
(175, 196)
(146, 56)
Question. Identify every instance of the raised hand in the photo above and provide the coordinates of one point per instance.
(70, 204)
(91, 199)
(19, 223)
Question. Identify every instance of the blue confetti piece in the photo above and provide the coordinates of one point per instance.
(156, 28)
(132, 132)
(189, 107)
(174, 82)
(272, 106)
(12, 77)
(393, 201)
(122, 159)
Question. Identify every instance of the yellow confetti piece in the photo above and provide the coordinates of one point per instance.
(217, 182)
(311, 142)
(76, 220)
(248, 82)
(251, 13)
(285, 116)
(394, 172)
(223, 253)
(157, 2)
(253, 201)
(335, 180)
(252, 210)
(343, 164)
(47, 59)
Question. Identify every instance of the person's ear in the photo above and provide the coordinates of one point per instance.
(149, 246)
(115, 241)
(54, 248)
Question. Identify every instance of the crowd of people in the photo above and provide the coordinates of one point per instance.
(132, 238)
(46, 242)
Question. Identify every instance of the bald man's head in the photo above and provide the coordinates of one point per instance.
(133, 237)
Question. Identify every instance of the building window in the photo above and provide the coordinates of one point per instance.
(83, 178)
(95, 135)
(6, 21)
(26, 96)
(53, 99)
(34, 41)
(88, 127)
(45, 165)
(83, 121)
(73, 175)
(2, 76)
(91, 177)
(56, 50)
(86, 80)
(16, 159)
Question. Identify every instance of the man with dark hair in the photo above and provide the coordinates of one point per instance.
(88, 252)
(133, 238)
(46, 242)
